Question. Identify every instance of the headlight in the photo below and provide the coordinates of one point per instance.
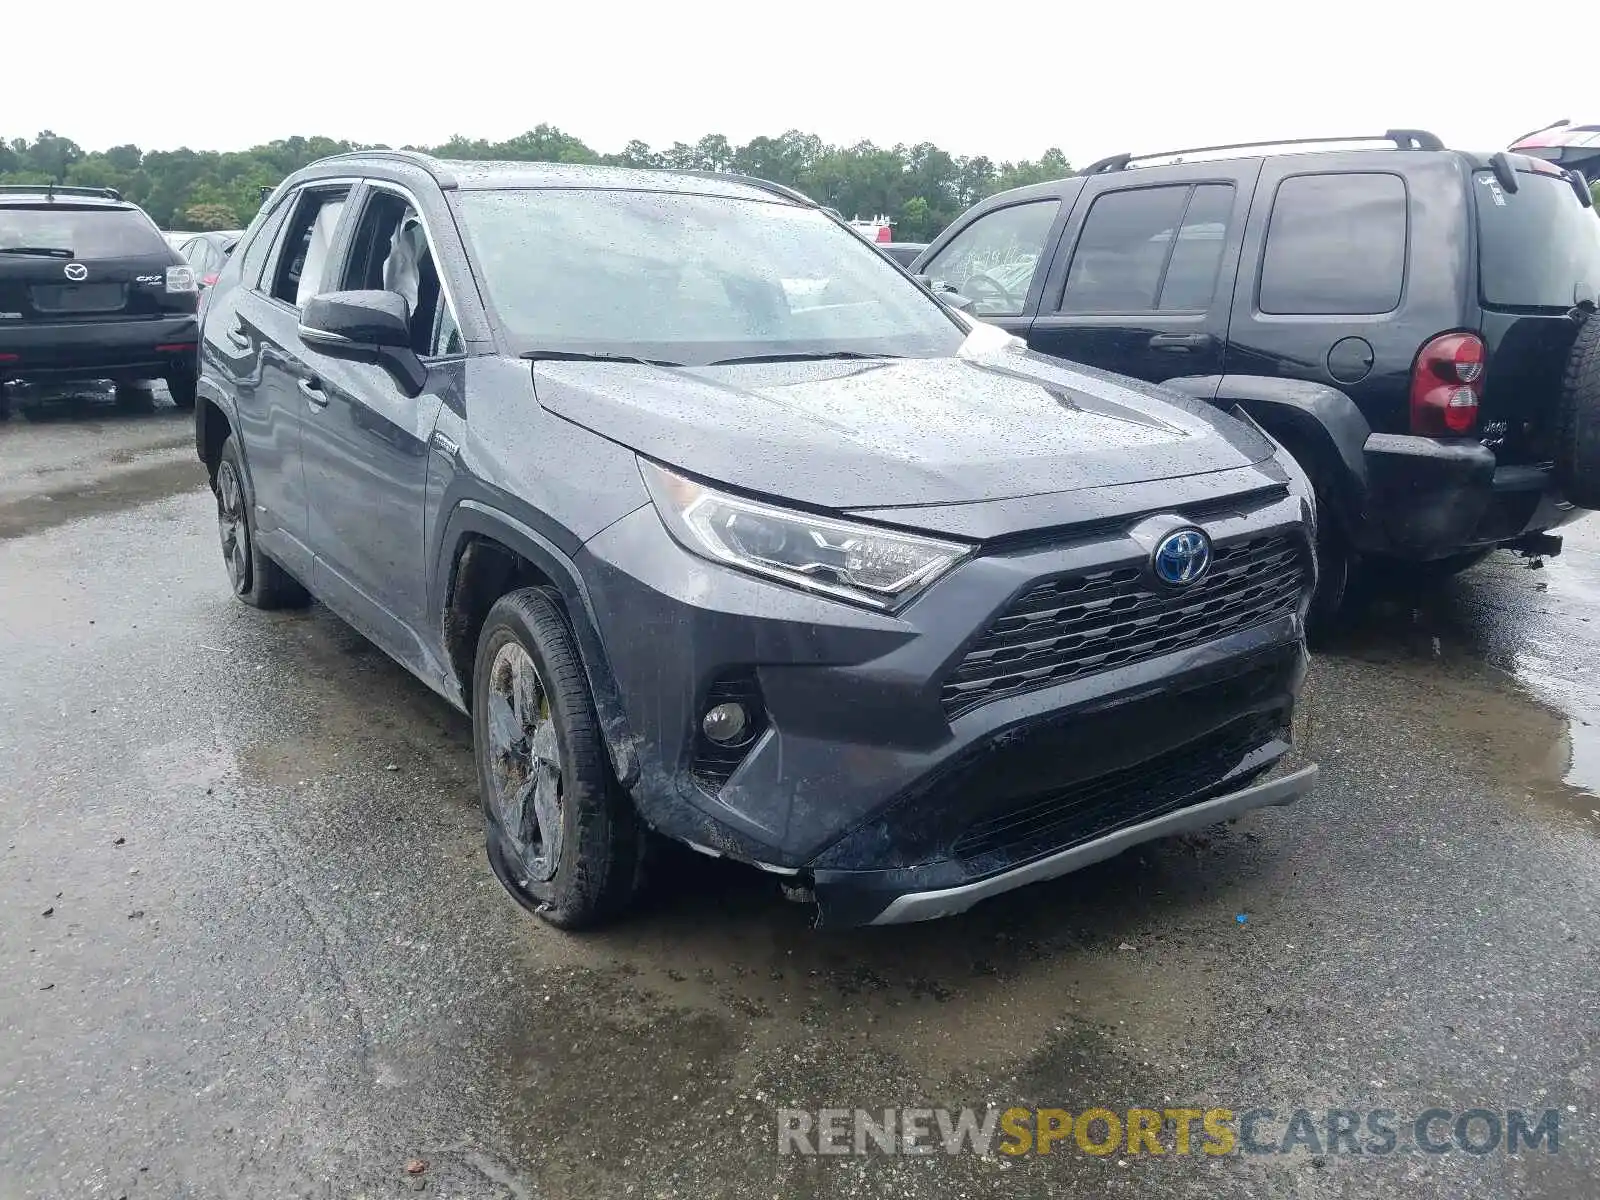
(880, 568)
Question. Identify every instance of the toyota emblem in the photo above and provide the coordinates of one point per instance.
(1182, 558)
(76, 272)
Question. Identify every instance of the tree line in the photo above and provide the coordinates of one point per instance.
(921, 187)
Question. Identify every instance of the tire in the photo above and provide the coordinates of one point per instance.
(134, 398)
(543, 765)
(255, 578)
(1335, 598)
(1578, 444)
(182, 388)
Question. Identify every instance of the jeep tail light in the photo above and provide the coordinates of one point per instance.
(1446, 385)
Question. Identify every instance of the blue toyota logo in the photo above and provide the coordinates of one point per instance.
(1182, 558)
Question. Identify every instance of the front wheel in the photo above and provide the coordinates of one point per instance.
(562, 835)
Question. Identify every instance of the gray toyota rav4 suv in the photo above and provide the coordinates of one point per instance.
(724, 529)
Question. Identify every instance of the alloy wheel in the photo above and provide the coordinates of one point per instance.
(524, 764)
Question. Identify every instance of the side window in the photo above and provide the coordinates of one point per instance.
(1123, 249)
(257, 247)
(446, 338)
(992, 261)
(391, 253)
(191, 252)
(303, 254)
(1336, 243)
(1190, 281)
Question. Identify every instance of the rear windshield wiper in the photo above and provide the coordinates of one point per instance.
(43, 251)
(585, 356)
(798, 356)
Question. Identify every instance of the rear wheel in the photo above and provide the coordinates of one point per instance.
(135, 398)
(1578, 447)
(182, 388)
(255, 578)
(563, 836)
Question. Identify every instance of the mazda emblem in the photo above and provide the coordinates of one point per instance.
(76, 272)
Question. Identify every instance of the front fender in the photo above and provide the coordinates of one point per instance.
(470, 518)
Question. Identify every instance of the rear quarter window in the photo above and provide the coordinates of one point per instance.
(1538, 247)
(1336, 244)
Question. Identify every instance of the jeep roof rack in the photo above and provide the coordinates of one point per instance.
(1400, 139)
(51, 190)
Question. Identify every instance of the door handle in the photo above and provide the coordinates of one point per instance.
(238, 336)
(1180, 343)
(312, 391)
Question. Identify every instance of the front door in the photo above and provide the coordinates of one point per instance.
(997, 261)
(365, 439)
(1143, 282)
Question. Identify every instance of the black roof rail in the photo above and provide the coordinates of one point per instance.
(52, 190)
(765, 185)
(1401, 139)
(435, 167)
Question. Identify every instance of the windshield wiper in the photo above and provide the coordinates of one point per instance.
(798, 356)
(585, 356)
(43, 251)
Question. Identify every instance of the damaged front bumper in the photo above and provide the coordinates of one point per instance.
(881, 782)
(847, 896)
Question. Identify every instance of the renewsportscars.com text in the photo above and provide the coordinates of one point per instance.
(1101, 1131)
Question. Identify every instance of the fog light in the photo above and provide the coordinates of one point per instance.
(725, 723)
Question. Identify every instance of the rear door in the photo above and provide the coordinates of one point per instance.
(262, 332)
(1143, 281)
(66, 263)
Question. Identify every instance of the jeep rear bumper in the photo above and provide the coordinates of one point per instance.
(1428, 498)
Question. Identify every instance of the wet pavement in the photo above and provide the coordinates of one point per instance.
(249, 945)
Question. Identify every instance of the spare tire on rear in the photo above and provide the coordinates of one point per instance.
(1578, 447)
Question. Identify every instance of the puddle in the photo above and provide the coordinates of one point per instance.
(36, 513)
(1505, 660)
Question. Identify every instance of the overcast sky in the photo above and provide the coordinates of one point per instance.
(1007, 80)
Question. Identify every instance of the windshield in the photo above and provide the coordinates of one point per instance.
(1534, 244)
(82, 232)
(690, 279)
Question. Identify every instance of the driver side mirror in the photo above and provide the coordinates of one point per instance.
(368, 326)
(336, 322)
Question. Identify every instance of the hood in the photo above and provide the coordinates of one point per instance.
(872, 434)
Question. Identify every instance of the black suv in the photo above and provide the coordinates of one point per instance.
(721, 526)
(89, 289)
(1400, 316)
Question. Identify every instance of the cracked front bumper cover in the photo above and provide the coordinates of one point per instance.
(849, 897)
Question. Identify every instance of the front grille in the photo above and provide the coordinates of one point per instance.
(1082, 811)
(1076, 625)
